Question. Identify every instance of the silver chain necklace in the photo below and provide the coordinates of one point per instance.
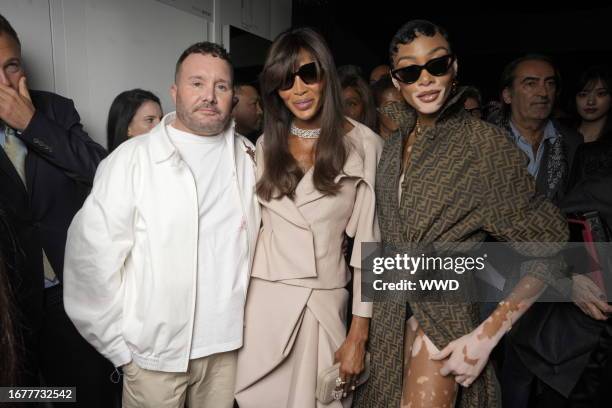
(305, 133)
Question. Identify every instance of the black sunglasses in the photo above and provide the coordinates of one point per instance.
(411, 73)
(308, 73)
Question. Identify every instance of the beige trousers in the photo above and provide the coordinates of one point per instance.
(208, 383)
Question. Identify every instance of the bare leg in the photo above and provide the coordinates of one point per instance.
(424, 387)
(412, 326)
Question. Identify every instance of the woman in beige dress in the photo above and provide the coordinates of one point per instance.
(316, 172)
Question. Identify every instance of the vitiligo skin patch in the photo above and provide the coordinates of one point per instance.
(509, 310)
(424, 387)
(468, 360)
(423, 384)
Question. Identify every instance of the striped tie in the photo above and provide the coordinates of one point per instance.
(16, 151)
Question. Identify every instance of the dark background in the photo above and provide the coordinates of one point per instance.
(485, 37)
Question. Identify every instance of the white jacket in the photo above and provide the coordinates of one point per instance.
(131, 254)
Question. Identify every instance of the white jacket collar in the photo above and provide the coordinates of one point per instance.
(162, 147)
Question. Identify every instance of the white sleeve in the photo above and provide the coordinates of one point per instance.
(99, 240)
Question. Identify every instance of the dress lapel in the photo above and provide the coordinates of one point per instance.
(286, 208)
(306, 192)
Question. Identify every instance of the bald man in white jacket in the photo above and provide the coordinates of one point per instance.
(158, 259)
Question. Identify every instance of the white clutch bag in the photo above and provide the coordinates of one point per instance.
(326, 381)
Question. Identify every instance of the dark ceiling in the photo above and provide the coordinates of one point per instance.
(484, 37)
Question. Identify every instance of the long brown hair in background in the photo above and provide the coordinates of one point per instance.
(8, 338)
(354, 80)
(281, 171)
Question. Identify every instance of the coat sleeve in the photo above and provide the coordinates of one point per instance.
(61, 140)
(515, 212)
(363, 224)
(99, 241)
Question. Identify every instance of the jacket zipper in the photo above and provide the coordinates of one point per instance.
(194, 279)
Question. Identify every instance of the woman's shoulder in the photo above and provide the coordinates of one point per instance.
(482, 129)
(485, 135)
(363, 137)
(364, 151)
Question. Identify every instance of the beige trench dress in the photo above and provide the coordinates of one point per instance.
(295, 316)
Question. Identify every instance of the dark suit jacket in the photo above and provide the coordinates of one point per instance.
(555, 340)
(60, 167)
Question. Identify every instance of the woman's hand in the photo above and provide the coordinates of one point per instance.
(589, 298)
(467, 356)
(351, 354)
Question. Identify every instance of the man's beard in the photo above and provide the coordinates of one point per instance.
(202, 126)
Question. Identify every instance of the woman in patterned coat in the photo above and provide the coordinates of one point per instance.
(448, 177)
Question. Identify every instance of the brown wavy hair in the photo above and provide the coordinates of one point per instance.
(281, 171)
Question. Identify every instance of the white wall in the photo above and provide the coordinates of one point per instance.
(91, 50)
(113, 45)
(265, 18)
(250, 15)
